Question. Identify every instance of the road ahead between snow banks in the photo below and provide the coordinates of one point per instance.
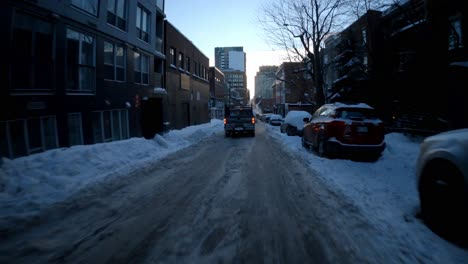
(223, 200)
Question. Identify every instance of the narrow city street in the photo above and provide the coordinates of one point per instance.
(223, 200)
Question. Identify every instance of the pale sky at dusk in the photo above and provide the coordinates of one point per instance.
(209, 24)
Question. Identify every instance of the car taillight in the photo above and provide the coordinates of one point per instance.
(336, 128)
(225, 121)
(253, 120)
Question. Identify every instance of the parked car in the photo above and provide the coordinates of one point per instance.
(340, 129)
(266, 117)
(442, 178)
(276, 120)
(294, 122)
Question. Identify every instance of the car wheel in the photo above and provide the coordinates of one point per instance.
(304, 144)
(321, 151)
(226, 134)
(444, 201)
(290, 131)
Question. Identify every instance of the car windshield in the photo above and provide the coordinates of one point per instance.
(240, 113)
(356, 113)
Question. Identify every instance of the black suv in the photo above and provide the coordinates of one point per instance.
(239, 120)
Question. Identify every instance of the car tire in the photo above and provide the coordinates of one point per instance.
(321, 148)
(226, 134)
(291, 131)
(444, 201)
(304, 144)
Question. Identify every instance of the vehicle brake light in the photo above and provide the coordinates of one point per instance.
(336, 128)
(253, 120)
(225, 121)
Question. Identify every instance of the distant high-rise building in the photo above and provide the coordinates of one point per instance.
(232, 62)
(264, 80)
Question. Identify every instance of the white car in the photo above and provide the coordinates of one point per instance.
(275, 120)
(294, 122)
(442, 177)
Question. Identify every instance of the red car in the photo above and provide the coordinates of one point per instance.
(340, 129)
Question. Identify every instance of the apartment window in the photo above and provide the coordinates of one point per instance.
(33, 64)
(187, 66)
(141, 63)
(116, 13)
(455, 32)
(110, 125)
(114, 62)
(75, 129)
(172, 52)
(142, 23)
(27, 136)
(90, 6)
(181, 60)
(120, 124)
(81, 69)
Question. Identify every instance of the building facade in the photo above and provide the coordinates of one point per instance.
(293, 87)
(219, 93)
(264, 80)
(187, 81)
(389, 59)
(79, 72)
(232, 62)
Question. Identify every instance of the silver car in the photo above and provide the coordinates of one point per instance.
(442, 174)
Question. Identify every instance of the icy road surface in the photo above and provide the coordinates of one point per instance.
(223, 200)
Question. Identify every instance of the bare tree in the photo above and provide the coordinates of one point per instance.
(300, 27)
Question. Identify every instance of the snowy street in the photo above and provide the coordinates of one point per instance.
(211, 199)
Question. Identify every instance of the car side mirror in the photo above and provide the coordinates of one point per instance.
(306, 120)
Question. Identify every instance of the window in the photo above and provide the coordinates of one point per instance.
(141, 63)
(142, 24)
(120, 125)
(181, 60)
(114, 62)
(75, 129)
(33, 63)
(172, 52)
(27, 136)
(364, 36)
(110, 125)
(81, 70)
(187, 67)
(455, 32)
(90, 6)
(116, 13)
